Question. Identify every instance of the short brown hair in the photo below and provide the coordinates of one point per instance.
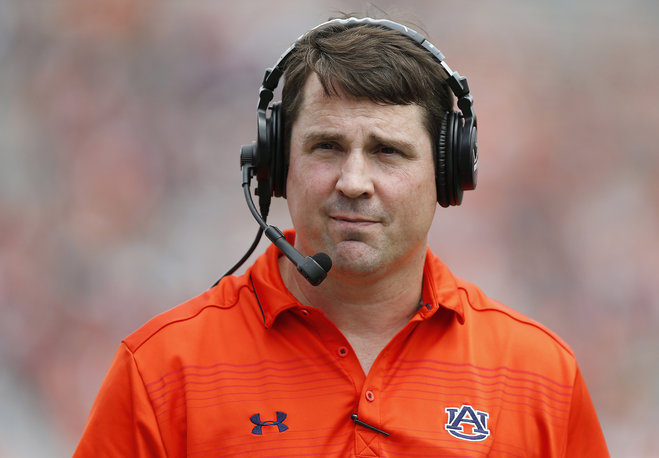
(370, 61)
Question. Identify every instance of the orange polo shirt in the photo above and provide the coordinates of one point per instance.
(245, 369)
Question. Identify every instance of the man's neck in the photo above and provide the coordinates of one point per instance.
(369, 311)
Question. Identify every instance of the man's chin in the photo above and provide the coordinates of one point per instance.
(355, 258)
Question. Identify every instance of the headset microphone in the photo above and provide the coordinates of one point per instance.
(313, 268)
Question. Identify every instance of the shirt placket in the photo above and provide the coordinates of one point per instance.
(369, 431)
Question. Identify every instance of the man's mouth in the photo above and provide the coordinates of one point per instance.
(353, 219)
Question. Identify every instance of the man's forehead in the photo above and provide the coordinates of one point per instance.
(314, 91)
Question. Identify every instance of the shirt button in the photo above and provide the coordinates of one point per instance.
(342, 352)
(370, 396)
(305, 312)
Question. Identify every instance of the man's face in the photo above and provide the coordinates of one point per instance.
(361, 182)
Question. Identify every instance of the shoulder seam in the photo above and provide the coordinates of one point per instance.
(527, 321)
(180, 320)
(166, 324)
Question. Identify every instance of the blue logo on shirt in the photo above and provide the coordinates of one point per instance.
(458, 418)
(258, 429)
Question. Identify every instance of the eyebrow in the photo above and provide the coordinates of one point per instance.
(317, 136)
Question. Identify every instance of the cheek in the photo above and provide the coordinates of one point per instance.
(416, 201)
(306, 188)
(416, 188)
(429, 185)
(307, 175)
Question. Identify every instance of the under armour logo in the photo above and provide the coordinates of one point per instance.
(465, 416)
(258, 429)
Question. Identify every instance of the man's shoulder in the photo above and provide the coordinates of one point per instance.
(231, 309)
(190, 316)
(489, 314)
(488, 317)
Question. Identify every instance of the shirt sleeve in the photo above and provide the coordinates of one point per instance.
(122, 421)
(584, 435)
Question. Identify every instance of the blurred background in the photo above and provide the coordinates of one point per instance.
(120, 128)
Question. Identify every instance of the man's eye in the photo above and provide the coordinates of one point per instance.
(325, 146)
(388, 150)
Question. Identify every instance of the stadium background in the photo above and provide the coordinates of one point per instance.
(120, 128)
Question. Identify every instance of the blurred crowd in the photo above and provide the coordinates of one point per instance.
(120, 128)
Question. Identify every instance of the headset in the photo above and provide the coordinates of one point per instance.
(456, 154)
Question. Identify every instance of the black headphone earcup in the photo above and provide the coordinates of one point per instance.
(455, 188)
(444, 162)
(278, 165)
(467, 156)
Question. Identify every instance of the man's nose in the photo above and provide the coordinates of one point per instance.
(355, 178)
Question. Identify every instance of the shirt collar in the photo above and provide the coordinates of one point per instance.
(440, 287)
(272, 295)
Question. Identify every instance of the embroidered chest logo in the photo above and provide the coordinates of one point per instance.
(467, 423)
(258, 429)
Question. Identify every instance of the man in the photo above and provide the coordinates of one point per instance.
(391, 355)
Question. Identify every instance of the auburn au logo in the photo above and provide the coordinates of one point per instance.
(467, 423)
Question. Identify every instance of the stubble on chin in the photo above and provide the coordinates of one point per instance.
(353, 256)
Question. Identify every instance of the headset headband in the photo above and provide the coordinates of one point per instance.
(457, 84)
